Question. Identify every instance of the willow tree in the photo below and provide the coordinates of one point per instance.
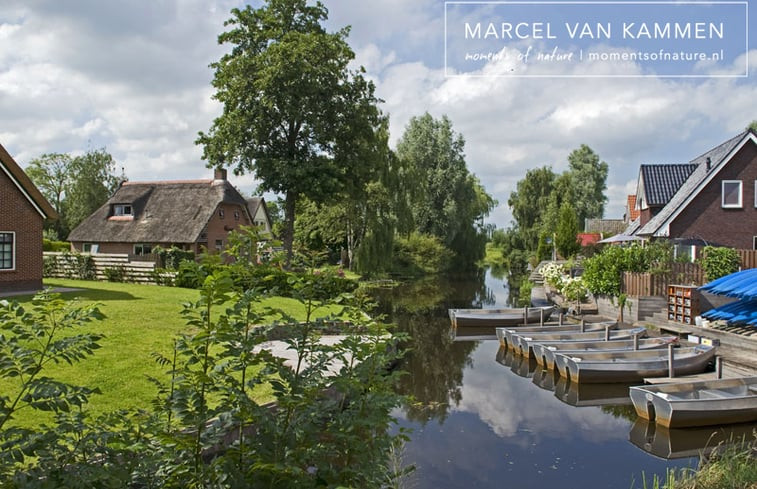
(294, 114)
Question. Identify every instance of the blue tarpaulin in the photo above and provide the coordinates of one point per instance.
(739, 312)
(741, 284)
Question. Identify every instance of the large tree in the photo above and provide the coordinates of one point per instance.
(75, 187)
(588, 176)
(450, 203)
(52, 174)
(530, 201)
(93, 181)
(294, 114)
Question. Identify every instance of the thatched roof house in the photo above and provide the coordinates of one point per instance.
(190, 214)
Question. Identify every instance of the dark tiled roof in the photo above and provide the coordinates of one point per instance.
(20, 178)
(661, 182)
(164, 212)
(656, 227)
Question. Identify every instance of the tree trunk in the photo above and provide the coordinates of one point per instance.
(288, 235)
(350, 245)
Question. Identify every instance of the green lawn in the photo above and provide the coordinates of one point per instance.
(140, 319)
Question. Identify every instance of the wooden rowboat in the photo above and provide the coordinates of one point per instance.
(499, 317)
(544, 352)
(633, 366)
(699, 403)
(504, 334)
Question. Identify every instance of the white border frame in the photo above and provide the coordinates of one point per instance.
(740, 205)
(14, 247)
(608, 2)
(755, 194)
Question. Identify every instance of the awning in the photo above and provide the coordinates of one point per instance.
(741, 284)
(739, 312)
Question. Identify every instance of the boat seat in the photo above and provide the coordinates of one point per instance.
(714, 394)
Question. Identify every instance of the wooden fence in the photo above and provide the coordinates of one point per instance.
(649, 284)
(748, 258)
(106, 267)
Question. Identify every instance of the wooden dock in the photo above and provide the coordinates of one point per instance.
(681, 379)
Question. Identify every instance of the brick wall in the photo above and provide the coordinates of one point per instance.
(18, 215)
(705, 218)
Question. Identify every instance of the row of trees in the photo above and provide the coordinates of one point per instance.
(549, 209)
(75, 186)
(297, 116)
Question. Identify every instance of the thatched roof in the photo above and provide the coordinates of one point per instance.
(163, 212)
(9, 166)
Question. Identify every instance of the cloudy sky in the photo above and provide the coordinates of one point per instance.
(133, 77)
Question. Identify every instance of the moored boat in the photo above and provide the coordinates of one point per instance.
(633, 366)
(698, 403)
(499, 317)
(523, 342)
(504, 333)
(544, 352)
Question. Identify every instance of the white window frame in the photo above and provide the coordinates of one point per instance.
(740, 205)
(120, 210)
(93, 248)
(755, 194)
(13, 252)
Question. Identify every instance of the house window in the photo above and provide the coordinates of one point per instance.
(122, 210)
(142, 249)
(7, 242)
(731, 194)
(90, 248)
(221, 213)
(219, 244)
(236, 215)
(754, 243)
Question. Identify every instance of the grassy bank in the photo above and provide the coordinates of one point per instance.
(140, 320)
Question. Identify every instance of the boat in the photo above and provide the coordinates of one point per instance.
(523, 342)
(698, 403)
(544, 352)
(504, 333)
(701, 441)
(499, 317)
(633, 366)
(574, 394)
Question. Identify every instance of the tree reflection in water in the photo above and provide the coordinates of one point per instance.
(435, 362)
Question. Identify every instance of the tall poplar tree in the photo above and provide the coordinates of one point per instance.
(294, 115)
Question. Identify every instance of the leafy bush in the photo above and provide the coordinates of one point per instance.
(172, 257)
(554, 274)
(420, 254)
(59, 246)
(115, 274)
(719, 261)
(603, 272)
(574, 289)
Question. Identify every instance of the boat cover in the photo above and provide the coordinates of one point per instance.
(739, 312)
(741, 284)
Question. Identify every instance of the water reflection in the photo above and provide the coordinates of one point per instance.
(476, 424)
(689, 442)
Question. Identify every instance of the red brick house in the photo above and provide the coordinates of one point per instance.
(717, 201)
(23, 211)
(190, 214)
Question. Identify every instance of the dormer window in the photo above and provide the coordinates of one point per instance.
(122, 210)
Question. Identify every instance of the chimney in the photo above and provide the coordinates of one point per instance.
(709, 163)
(219, 174)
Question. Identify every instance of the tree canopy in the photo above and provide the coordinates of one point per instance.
(294, 114)
(448, 202)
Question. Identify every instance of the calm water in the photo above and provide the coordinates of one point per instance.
(482, 419)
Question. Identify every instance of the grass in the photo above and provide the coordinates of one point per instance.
(140, 320)
(734, 467)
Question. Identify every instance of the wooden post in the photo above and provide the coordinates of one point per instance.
(671, 370)
(525, 315)
(607, 331)
(719, 366)
(636, 341)
(541, 316)
(559, 319)
(583, 325)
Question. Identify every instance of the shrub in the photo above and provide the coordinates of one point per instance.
(420, 254)
(554, 274)
(719, 261)
(172, 257)
(115, 274)
(59, 246)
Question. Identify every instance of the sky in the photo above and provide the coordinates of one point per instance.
(134, 78)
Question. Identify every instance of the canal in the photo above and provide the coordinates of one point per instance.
(478, 418)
